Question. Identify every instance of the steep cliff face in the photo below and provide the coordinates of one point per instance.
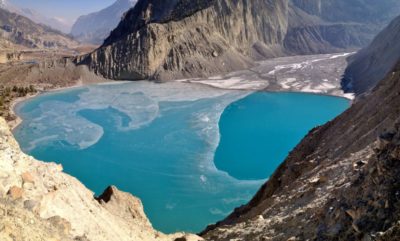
(40, 202)
(372, 63)
(23, 31)
(94, 28)
(340, 183)
(181, 38)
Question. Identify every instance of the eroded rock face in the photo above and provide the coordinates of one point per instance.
(181, 38)
(340, 183)
(40, 202)
(178, 39)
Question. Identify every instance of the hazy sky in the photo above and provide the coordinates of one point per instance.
(66, 9)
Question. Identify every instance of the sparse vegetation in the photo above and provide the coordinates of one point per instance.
(8, 94)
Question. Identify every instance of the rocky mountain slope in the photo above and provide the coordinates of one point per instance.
(23, 31)
(317, 26)
(359, 11)
(94, 28)
(181, 38)
(340, 183)
(372, 63)
(35, 16)
(40, 202)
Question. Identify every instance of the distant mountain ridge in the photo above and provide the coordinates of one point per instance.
(182, 39)
(95, 27)
(35, 16)
(20, 30)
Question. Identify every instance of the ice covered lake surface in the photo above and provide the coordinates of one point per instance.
(192, 153)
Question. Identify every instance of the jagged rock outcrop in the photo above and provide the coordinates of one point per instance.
(372, 63)
(181, 38)
(340, 183)
(23, 31)
(40, 202)
(94, 28)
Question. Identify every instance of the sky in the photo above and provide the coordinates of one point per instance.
(68, 10)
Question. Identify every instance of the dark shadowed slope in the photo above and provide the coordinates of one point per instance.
(372, 63)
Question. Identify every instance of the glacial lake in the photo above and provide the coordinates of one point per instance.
(191, 153)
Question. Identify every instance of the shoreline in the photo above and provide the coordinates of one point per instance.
(18, 120)
(15, 123)
(298, 74)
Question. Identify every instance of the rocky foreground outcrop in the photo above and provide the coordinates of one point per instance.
(184, 38)
(40, 202)
(340, 183)
(371, 64)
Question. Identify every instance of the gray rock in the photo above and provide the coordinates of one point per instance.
(30, 204)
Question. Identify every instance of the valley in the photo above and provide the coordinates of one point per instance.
(236, 120)
(83, 129)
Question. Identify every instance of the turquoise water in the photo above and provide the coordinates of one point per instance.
(159, 142)
(258, 131)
